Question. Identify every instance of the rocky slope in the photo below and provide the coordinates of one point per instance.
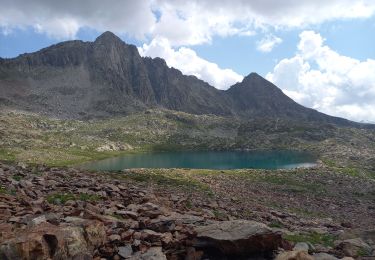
(59, 213)
(108, 77)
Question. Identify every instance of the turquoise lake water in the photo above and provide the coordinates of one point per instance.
(207, 160)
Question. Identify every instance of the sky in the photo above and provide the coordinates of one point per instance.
(319, 52)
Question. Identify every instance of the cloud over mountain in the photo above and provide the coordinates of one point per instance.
(181, 22)
(187, 60)
(321, 78)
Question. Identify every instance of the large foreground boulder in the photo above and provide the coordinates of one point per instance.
(47, 241)
(237, 238)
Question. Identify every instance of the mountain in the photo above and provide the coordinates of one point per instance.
(108, 77)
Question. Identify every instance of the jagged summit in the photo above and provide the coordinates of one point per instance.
(108, 77)
(108, 38)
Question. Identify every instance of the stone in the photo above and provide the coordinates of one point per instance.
(47, 241)
(114, 237)
(150, 235)
(36, 221)
(125, 251)
(238, 238)
(301, 246)
(95, 233)
(294, 255)
(354, 247)
(166, 238)
(153, 253)
(162, 224)
(127, 213)
(324, 256)
(127, 235)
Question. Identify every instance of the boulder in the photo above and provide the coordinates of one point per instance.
(237, 238)
(47, 241)
(301, 246)
(354, 247)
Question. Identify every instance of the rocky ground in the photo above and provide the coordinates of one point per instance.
(66, 213)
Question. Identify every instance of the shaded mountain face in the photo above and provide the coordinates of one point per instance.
(108, 77)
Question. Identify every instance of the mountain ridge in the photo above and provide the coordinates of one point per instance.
(107, 77)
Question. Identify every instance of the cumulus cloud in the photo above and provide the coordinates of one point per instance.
(268, 43)
(181, 22)
(187, 60)
(321, 78)
(63, 19)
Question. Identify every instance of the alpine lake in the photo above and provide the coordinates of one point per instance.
(220, 160)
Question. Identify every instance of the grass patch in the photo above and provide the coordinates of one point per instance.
(276, 224)
(219, 215)
(7, 155)
(17, 177)
(314, 238)
(329, 162)
(117, 216)
(62, 198)
(363, 252)
(350, 171)
(6, 191)
(289, 184)
(168, 178)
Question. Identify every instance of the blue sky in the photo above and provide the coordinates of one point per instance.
(319, 52)
(354, 38)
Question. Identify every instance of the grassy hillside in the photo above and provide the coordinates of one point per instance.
(32, 138)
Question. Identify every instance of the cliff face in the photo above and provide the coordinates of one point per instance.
(108, 77)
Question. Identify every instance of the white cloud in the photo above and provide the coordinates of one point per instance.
(181, 22)
(268, 43)
(198, 21)
(63, 19)
(321, 78)
(187, 60)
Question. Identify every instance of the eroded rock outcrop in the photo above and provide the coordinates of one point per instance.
(238, 237)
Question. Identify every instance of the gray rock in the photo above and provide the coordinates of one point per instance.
(127, 213)
(301, 246)
(38, 220)
(354, 247)
(125, 251)
(238, 237)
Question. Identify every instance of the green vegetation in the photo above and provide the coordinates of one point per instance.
(17, 177)
(3, 190)
(36, 139)
(276, 224)
(363, 252)
(329, 162)
(7, 155)
(62, 198)
(219, 214)
(7, 191)
(117, 216)
(314, 238)
(350, 171)
(167, 177)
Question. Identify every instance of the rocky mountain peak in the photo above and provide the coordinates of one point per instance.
(108, 38)
(109, 77)
(254, 79)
